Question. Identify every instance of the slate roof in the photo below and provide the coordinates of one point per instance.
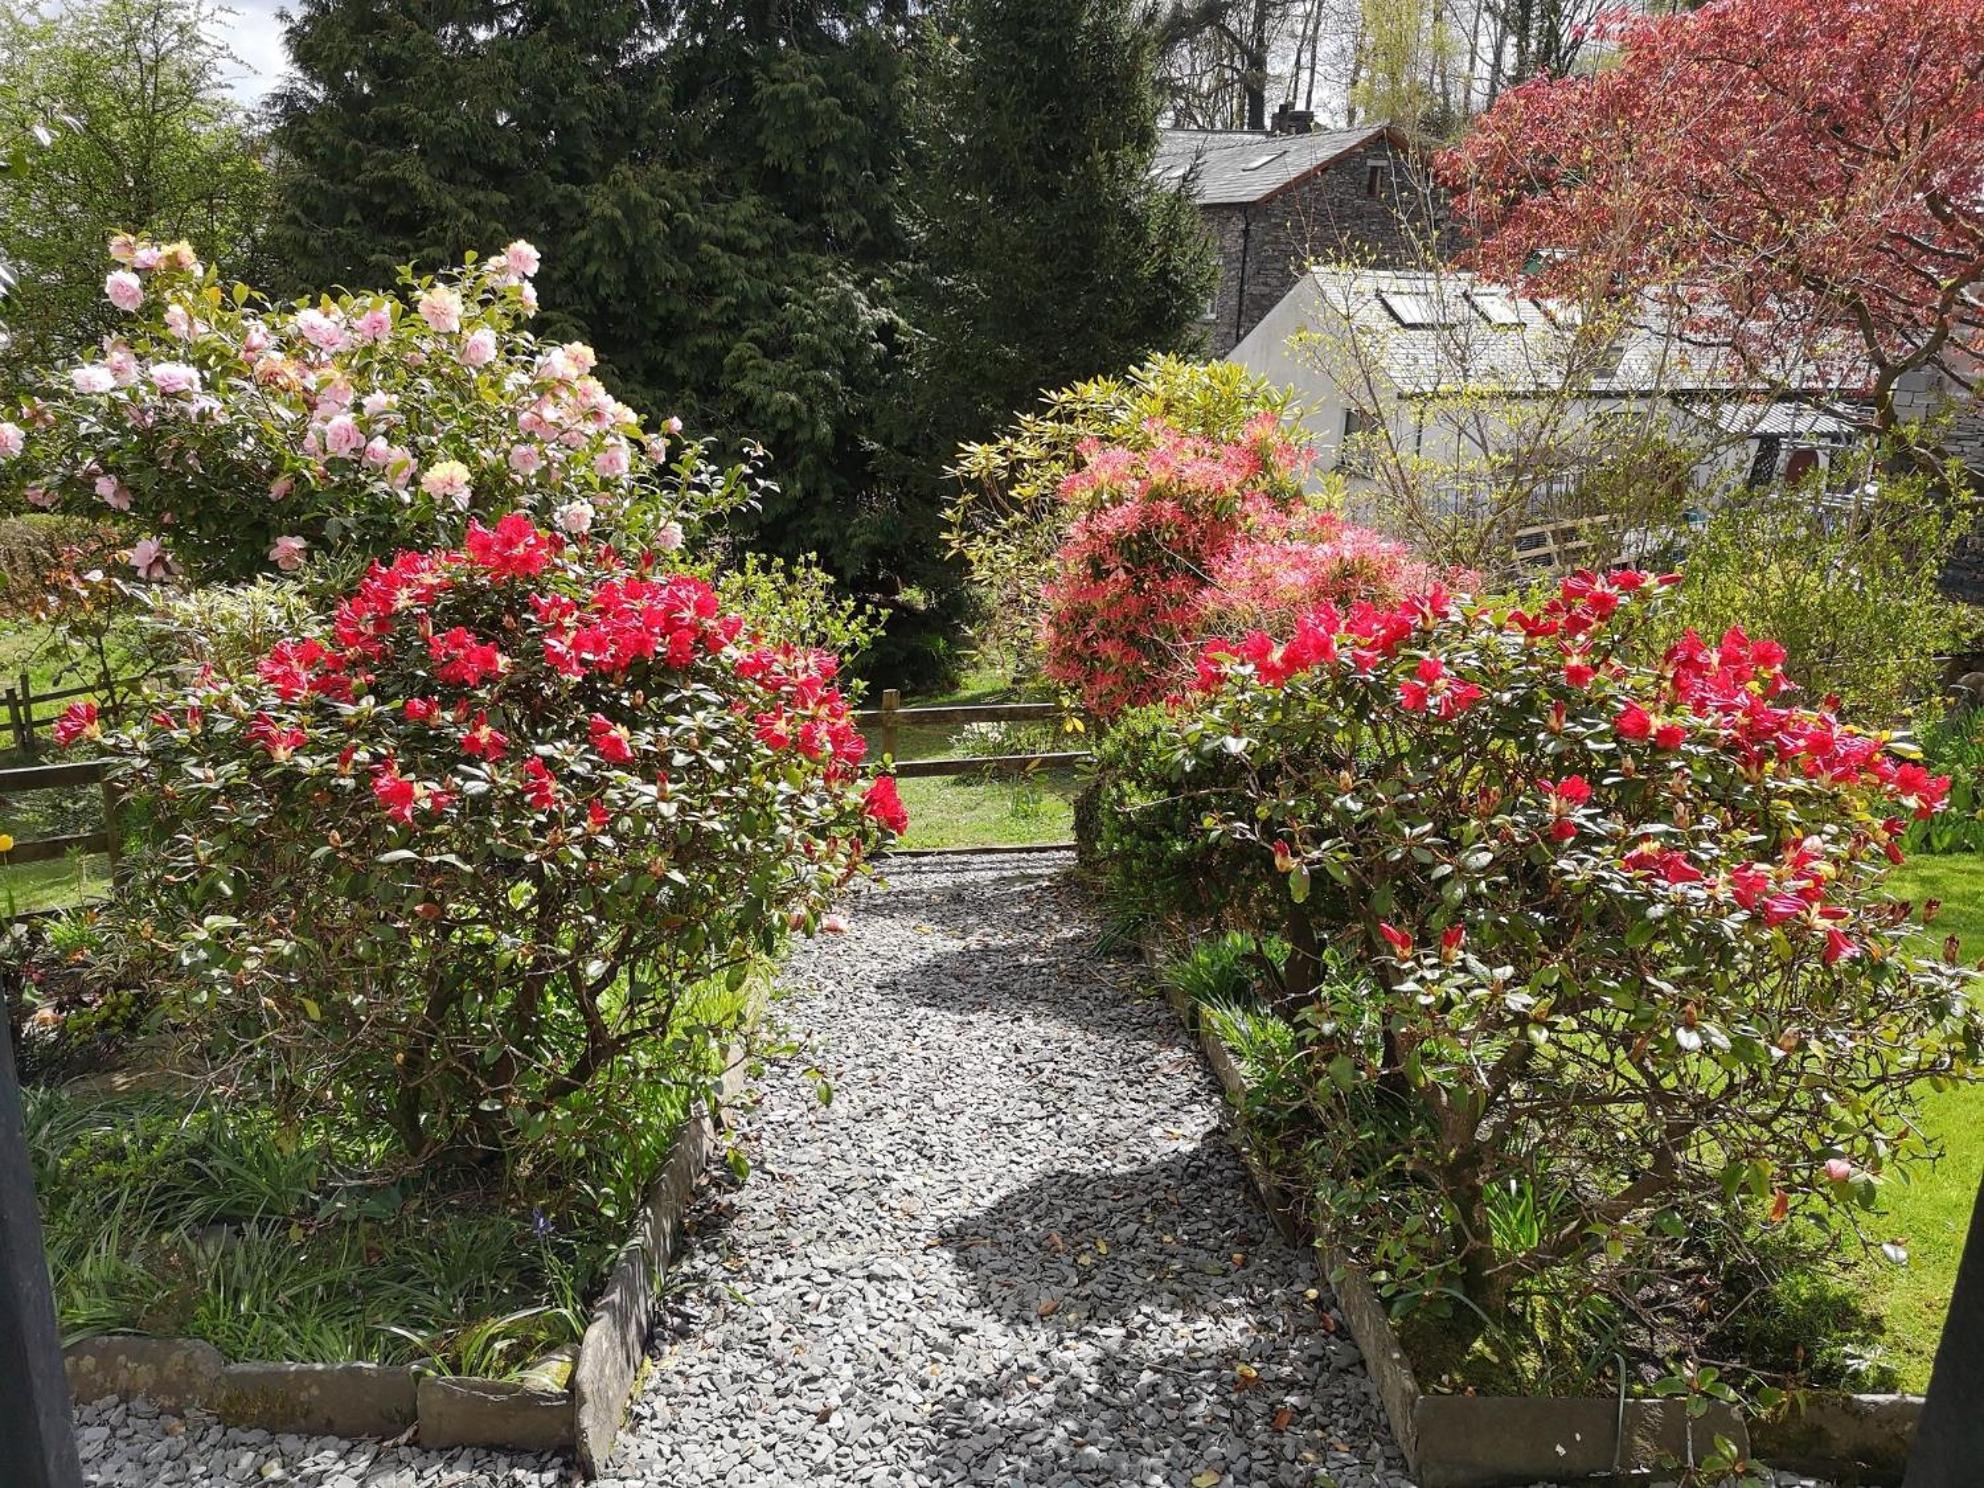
(1238, 166)
(1438, 332)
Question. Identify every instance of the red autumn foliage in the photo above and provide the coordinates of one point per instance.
(1811, 170)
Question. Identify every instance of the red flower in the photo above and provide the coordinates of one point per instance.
(514, 550)
(1579, 672)
(1451, 940)
(1838, 948)
(280, 742)
(462, 660)
(540, 785)
(597, 815)
(1633, 722)
(484, 742)
(1284, 858)
(78, 721)
(884, 804)
(1400, 942)
(393, 791)
(419, 709)
(1669, 736)
(614, 744)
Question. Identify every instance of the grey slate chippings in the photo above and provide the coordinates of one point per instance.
(1015, 1248)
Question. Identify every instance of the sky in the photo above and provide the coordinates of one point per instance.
(252, 32)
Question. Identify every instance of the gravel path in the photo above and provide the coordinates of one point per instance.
(1014, 1248)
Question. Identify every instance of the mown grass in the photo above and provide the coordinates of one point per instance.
(54, 884)
(1928, 1212)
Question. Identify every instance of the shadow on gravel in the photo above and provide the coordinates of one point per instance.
(1168, 1330)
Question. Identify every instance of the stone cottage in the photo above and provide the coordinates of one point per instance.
(1279, 200)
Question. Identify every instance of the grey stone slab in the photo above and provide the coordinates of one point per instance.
(317, 1399)
(456, 1411)
(1852, 1438)
(173, 1373)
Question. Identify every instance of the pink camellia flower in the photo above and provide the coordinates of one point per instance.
(146, 256)
(1838, 1170)
(175, 377)
(12, 441)
(480, 348)
(180, 255)
(281, 486)
(528, 296)
(149, 558)
(669, 538)
(441, 308)
(448, 480)
(672, 424)
(342, 437)
(521, 258)
(123, 364)
(834, 924)
(612, 461)
(122, 247)
(373, 324)
(287, 554)
(114, 493)
(526, 459)
(124, 290)
(255, 340)
(325, 332)
(376, 404)
(179, 321)
(575, 518)
(92, 377)
(39, 497)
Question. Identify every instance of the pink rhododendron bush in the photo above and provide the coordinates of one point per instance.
(1176, 536)
(1595, 996)
(227, 434)
(471, 862)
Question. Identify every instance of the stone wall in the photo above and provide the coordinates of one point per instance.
(1332, 216)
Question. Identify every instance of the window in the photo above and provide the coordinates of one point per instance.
(1374, 179)
(1360, 429)
(1260, 160)
(1496, 309)
(1212, 301)
(1416, 310)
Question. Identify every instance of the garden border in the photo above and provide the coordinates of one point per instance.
(390, 1400)
(1506, 1441)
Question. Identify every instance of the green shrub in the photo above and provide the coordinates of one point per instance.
(1953, 745)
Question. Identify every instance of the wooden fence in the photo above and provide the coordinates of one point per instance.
(19, 703)
(62, 777)
(891, 717)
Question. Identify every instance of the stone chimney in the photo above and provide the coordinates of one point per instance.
(1288, 119)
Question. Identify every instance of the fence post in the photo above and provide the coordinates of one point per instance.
(112, 839)
(22, 705)
(891, 700)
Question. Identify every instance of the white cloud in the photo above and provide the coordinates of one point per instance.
(251, 30)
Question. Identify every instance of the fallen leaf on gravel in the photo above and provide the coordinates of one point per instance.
(1101, 1246)
(1329, 1322)
(1246, 1376)
(1281, 1418)
(1055, 1243)
(1207, 1478)
(1048, 1308)
(1239, 1257)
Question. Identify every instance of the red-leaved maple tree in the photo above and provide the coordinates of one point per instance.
(1808, 173)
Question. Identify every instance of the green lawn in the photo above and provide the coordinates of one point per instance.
(51, 885)
(1930, 1214)
(974, 811)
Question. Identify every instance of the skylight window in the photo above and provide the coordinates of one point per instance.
(1260, 160)
(1414, 309)
(1496, 309)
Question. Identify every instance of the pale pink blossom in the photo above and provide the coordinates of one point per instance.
(180, 255)
(376, 404)
(281, 487)
(612, 461)
(834, 924)
(123, 290)
(179, 321)
(113, 492)
(373, 324)
(343, 437)
(12, 441)
(441, 308)
(669, 537)
(672, 424)
(146, 256)
(522, 259)
(122, 247)
(480, 348)
(175, 377)
(287, 554)
(575, 518)
(325, 332)
(39, 497)
(1838, 1169)
(379, 451)
(583, 357)
(123, 364)
(449, 479)
(527, 295)
(526, 459)
(149, 558)
(92, 377)
(255, 340)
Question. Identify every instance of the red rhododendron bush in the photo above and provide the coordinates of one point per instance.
(470, 859)
(1178, 535)
(1592, 981)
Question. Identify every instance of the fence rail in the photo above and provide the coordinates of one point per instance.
(18, 701)
(105, 839)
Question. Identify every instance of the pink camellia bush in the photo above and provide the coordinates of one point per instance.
(1176, 536)
(469, 860)
(228, 435)
(1590, 966)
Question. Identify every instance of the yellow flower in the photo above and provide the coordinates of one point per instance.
(6, 843)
